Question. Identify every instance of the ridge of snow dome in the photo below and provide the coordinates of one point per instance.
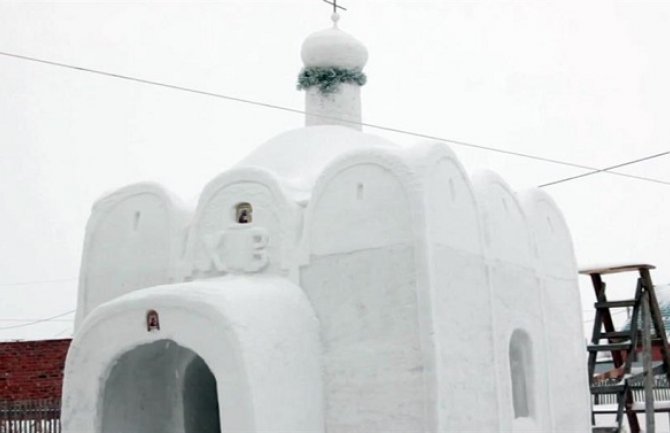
(298, 157)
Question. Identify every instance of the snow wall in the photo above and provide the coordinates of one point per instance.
(378, 286)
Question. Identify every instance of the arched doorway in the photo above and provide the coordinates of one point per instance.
(160, 387)
(201, 405)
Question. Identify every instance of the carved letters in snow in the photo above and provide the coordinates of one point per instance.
(237, 249)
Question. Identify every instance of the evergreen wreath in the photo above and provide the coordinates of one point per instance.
(329, 79)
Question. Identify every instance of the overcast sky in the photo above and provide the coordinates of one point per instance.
(579, 81)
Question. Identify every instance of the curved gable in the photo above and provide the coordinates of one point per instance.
(362, 277)
(516, 298)
(561, 304)
(132, 241)
(219, 243)
(506, 234)
(361, 201)
(460, 292)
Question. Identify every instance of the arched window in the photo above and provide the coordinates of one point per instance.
(521, 373)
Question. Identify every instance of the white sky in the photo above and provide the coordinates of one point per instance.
(581, 81)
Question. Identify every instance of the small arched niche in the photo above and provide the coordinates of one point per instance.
(160, 387)
(243, 213)
(521, 374)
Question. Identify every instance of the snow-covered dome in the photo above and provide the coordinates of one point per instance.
(333, 47)
(298, 157)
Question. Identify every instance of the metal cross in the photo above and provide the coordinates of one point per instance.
(335, 5)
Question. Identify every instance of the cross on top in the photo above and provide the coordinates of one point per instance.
(335, 5)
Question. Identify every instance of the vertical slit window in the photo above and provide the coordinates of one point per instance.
(521, 373)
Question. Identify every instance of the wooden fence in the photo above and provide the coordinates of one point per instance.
(33, 416)
(661, 391)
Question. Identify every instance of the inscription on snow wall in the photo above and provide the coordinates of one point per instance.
(236, 249)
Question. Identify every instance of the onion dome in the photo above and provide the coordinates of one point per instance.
(334, 48)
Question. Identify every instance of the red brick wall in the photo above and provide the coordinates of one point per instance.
(32, 369)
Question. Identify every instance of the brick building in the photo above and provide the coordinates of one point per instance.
(32, 370)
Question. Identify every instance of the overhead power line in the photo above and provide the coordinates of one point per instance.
(63, 331)
(34, 322)
(592, 170)
(28, 283)
(19, 320)
(615, 313)
(613, 167)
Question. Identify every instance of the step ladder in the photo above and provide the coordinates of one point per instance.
(624, 346)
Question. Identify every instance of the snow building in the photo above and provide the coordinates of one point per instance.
(331, 281)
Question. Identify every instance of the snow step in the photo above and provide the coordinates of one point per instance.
(659, 406)
(638, 406)
(606, 411)
(615, 304)
(608, 347)
(608, 389)
(615, 268)
(605, 429)
(617, 334)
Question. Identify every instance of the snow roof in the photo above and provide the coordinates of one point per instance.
(298, 157)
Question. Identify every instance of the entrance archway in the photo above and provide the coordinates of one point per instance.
(201, 405)
(160, 387)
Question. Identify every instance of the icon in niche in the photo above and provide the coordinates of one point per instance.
(153, 324)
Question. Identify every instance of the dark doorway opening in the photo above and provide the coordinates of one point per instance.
(160, 387)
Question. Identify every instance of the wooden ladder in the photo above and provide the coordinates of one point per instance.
(623, 346)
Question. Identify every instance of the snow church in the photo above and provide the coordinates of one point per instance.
(333, 282)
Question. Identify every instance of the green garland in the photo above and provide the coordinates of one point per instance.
(329, 79)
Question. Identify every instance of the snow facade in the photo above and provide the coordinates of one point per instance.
(332, 281)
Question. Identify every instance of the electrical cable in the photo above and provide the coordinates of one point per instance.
(19, 320)
(46, 319)
(593, 170)
(615, 313)
(27, 283)
(591, 173)
(63, 331)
